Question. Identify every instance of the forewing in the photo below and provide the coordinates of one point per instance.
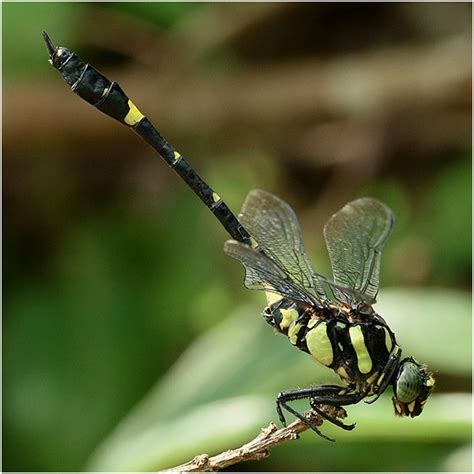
(261, 273)
(275, 228)
(355, 237)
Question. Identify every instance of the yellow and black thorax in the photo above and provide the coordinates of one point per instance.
(356, 348)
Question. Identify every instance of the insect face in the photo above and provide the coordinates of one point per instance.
(412, 387)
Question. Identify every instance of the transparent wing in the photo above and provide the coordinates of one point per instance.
(261, 273)
(343, 293)
(275, 228)
(355, 237)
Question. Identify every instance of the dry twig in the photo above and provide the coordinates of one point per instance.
(257, 449)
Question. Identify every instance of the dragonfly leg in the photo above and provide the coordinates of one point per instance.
(327, 394)
(334, 396)
(329, 418)
(387, 372)
(282, 403)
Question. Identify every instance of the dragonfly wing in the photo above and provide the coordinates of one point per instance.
(274, 226)
(355, 238)
(343, 293)
(262, 273)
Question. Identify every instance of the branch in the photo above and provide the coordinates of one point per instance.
(259, 448)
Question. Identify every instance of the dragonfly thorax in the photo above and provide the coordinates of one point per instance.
(355, 346)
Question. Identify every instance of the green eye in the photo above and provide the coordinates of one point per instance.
(409, 382)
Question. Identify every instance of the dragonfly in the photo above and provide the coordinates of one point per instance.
(333, 320)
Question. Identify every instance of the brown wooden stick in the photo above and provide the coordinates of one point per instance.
(259, 447)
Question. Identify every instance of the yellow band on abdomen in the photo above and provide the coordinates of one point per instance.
(134, 115)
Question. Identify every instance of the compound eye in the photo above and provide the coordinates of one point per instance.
(409, 382)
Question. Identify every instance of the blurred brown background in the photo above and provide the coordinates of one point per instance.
(112, 268)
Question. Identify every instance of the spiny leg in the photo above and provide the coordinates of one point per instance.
(327, 394)
(336, 398)
(330, 418)
(298, 394)
(300, 417)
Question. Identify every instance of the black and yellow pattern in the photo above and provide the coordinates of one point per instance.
(332, 320)
(108, 97)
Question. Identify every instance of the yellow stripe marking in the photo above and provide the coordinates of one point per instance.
(134, 115)
(312, 322)
(216, 197)
(364, 362)
(388, 340)
(372, 378)
(272, 298)
(293, 332)
(411, 406)
(341, 371)
(319, 344)
(177, 156)
(289, 316)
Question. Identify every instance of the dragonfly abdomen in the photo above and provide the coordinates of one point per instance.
(109, 98)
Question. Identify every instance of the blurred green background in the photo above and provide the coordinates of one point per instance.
(129, 341)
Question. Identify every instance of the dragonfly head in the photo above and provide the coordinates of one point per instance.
(411, 387)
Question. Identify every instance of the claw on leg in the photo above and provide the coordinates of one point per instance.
(330, 418)
(307, 422)
(332, 397)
